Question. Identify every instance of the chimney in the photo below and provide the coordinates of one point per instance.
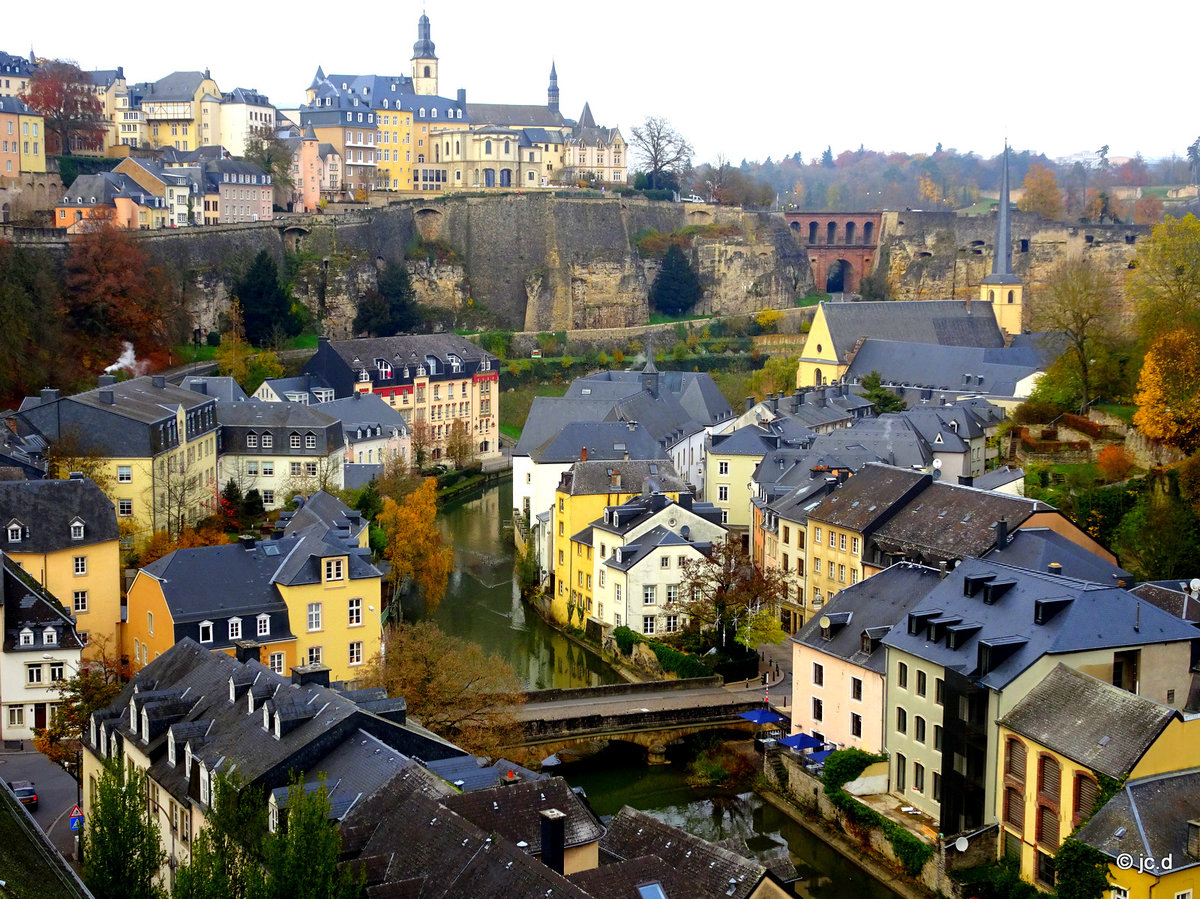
(966, 480)
(819, 398)
(554, 830)
(247, 541)
(774, 398)
(106, 380)
(749, 403)
(1001, 533)
(158, 381)
(797, 398)
(303, 675)
(583, 454)
(942, 570)
(1054, 568)
(462, 95)
(247, 650)
(49, 395)
(107, 398)
(632, 425)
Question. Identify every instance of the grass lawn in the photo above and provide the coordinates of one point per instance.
(516, 403)
(812, 299)
(187, 353)
(659, 319)
(1123, 411)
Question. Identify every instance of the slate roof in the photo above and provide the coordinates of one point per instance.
(177, 86)
(695, 391)
(604, 440)
(998, 477)
(1077, 616)
(469, 773)
(338, 361)
(259, 414)
(514, 811)
(709, 870)
(301, 384)
(367, 411)
(870, 605)
(590, 478)
(1036, 548)
(323, 513)
(945, 322)
(622, 880)
(222, 388)
(15, 105)
(758, 439)
(1172, 597)
(48, 508)
(518, 115)
(359, 474)
(869, 497)
(992, 370)
(1100, 726)
(547, 414)
(1148, 819)
(27, 605)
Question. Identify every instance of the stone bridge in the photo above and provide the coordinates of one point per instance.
(649, 715)
(841, 246)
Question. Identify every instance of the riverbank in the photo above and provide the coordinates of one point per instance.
(851, 850)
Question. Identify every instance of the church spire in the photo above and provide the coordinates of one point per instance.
(1002, 254)
(552, 92)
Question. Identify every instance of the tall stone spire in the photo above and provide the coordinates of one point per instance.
(1003, 290)
(552, 92)
(423, 48)
(1002, 254)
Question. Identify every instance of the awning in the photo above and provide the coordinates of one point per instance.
(761, 716)
(801, 741)
(819, 757)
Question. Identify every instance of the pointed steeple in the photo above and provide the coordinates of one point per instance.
(552, 92)
(1002, 254)
(585, 118)
(317, 79)
(423, 48)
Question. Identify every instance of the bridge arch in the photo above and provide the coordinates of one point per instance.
(429, 222)
(840, 277)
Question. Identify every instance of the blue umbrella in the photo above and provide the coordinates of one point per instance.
(819, 756)
(801, 741)
(761, 716)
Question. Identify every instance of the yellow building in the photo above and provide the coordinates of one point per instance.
(1069, 739)
(33, 140)
(173, 109)
(157, 443)
(308, 598)
(585, 490)
(64, 534)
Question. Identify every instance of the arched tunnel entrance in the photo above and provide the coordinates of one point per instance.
(840, 277)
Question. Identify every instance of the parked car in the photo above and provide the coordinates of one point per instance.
(24, 791)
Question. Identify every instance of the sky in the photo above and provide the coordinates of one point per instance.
(746, 80)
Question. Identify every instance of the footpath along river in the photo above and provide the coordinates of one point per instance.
(483, 605)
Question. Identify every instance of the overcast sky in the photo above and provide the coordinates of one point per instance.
(749, 79)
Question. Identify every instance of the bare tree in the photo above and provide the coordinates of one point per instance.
(663, 149)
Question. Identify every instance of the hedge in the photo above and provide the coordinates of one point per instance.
(1087, 426)
(1050, 446)
(672, 660)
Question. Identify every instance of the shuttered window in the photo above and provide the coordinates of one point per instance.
(1086, 792)
(1047, 826)
(1016, 760)
(1048, 778)
(1014, 807)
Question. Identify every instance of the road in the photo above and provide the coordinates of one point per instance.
(56, 791)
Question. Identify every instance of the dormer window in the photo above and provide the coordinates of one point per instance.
(14, 532)
(171, 750)
(251, 441)
(206, 631)
(235, 628)
(267, 441)
(364, 376)
(385, 368)
(50, 636)
(26, 637)
(76, 529)
(486, 364)
(264, 625)
(420, 371)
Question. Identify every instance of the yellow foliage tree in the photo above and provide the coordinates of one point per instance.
(929, 190)
(233, 355)
(1041, 193)
(1165, 281)
(1168, 395)
(415, 547)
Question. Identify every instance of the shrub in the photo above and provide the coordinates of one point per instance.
(1114, 463)
(675, 662)
(1035, 412)
(625, 639)
(1084, 425)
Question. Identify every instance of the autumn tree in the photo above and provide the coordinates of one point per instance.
(113, 295)
(1041, 194)
(676, 288)
(452, 687)
(93, 687)
(65, 97)
(1148, 210)
(1080, 303)
(420, 561)
(1114, 463)
(266, 149)
(725, 592)
(421, 441)
(460, 444)
(1168, 395)
(665, 153)
(1165, 281)
(122, 847)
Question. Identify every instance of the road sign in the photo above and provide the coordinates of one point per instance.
(76, 818)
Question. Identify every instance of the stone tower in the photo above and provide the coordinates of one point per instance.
(424, 61)
(552, 92)
(1002, 289)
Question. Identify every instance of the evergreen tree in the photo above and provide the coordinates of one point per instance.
(389, 310)
(676, 288)
(266, 306)
(302, 856)
(122, 849)
(252, 507)
(884, 399)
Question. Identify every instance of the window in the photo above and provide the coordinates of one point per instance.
(33, 674)
(1086, 792)
(333, 570)
(314, 616)
(918, 777)
(356, 652)
(901, 771)
(235, 628)
(252, 469)
(841, 574)
(648, 595)
(818, 674)
(919, 729)
(816, 565)
(648, 624)
(842, 542)
(264, 625)
(818, 709)
(310, 441)
(294, 441)
(1014, 763)
(672, 594)
(817, 535)
(251, 441)
(902, 676)
(14, 533)
(268, 496)
(920, 683)
(1049, 775)
(206, 631)
(354, 611)
(672, 623)
(310, 469)
(268, 468)
(902, 721)
(723, 493)
(124, 474)
(268, 441)
(295, 469)
(664, 562)
(81, 564)
(275, 663)
(76, 530)
(314, 655)
(617, 593)
(125, 507)
(723, 468)
(856, 689)
(855, 724)
(939, 690)
(937, 737)
(1047, 826)
(854, 545)
(80, 603)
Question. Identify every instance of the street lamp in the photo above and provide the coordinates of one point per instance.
(382, 644)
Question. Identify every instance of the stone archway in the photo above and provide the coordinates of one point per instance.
(840, 277)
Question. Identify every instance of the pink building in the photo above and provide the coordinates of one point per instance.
(236, 191)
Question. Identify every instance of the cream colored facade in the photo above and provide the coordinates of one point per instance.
(840, 701)
(727, 485)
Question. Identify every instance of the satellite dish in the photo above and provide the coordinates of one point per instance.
(937, 463)
(961, 844)
(825, 622)
(1195, 584)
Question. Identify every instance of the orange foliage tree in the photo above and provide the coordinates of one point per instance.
(1041, 193)
(161, 543)
(420, 561)
(1168, 395)
(68, 103)
(1114, 463)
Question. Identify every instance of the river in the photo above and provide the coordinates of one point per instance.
(483, 605)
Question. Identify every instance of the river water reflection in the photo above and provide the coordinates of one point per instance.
(482, 605)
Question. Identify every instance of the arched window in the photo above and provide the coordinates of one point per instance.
(506, 146)
(427, 71)
(487, 147)
(831, 233)
(1087, 791)
(1049, 778)
(812, 232)
(421, 112)
(433, 113)
(991, 296)
(456, 148)
(1011, 294)
(868, 231)
(849, 233)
